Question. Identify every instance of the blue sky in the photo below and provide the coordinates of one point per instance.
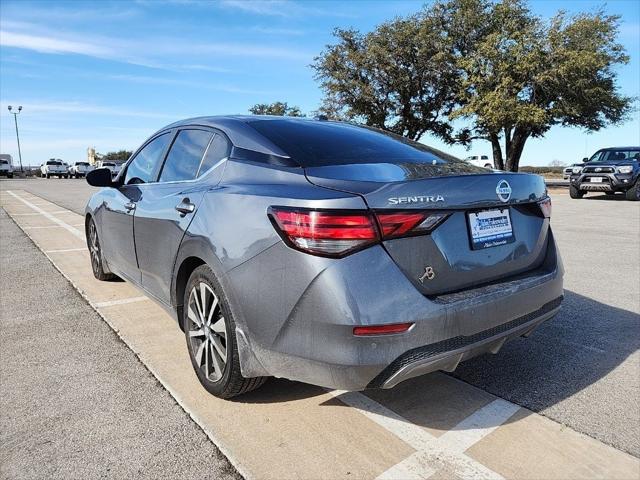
(108, 74)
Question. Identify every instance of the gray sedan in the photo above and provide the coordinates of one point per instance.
(324, 252)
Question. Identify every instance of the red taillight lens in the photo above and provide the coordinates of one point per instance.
(545, 206)
(336, 233)
(332, 233)
(387, 329)
(400, 224)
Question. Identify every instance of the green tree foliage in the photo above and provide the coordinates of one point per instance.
(120, 155)
(276, 108)
(494, 67)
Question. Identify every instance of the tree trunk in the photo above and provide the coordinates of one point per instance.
(498, 162)
(515, 146)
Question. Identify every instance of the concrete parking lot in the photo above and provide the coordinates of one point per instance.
(578, 374)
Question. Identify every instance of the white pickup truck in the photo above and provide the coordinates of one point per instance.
(114, 167)
(480, 161)
(54, 167)
(6, 165)
(79, 169)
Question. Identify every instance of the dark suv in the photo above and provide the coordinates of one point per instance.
(608, 170)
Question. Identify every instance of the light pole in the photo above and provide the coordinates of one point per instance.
(15, 118)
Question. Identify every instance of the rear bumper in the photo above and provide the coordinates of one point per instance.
(315, 343)
(446, 355)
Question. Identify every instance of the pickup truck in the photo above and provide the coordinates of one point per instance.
(480, 161)
(54, 167)
(114, 167)
(79, 169)
(6, 165)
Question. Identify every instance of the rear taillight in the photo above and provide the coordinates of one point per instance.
(545, 206)
(336, 233)
(402, 224)
(332, 233)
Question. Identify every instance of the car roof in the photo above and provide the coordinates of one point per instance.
(620, 148)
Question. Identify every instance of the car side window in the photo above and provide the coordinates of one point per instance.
(185, 155)
(219, 149)
(143, 166)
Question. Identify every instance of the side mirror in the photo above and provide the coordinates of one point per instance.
(100, 177)
(585, 159)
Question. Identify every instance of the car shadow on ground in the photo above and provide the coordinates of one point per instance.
(579, 346)
(610, 196)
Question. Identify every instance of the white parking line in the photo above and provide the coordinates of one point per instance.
(432, 454)
(122, 301)
(479, 424)
(64, 250)
(33, 214)
(69, 228)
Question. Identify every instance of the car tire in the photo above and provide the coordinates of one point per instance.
(210, 332)
(576, 192)
(48, 176)
(95, 253)
(633, 193)
(10, 175)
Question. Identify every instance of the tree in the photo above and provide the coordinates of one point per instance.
(522, 76)
(276, 108)
(119, 156)
(394, 78)
(503, 72)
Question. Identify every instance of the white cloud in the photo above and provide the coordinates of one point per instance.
(143, 53)
(280, 8)
(46, 44)
(262, 7)
(39, 107)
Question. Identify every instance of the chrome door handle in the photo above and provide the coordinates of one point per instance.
(130, 206)
(185, 206)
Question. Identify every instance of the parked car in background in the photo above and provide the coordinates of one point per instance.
(610, 170)
(6, 165)
(480, 161)
(113, 166)
(567, 171)
(54, 167)
(324, 252)
(79, 169)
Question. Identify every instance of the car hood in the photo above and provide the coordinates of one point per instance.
(614, 163)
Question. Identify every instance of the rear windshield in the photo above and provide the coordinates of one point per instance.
(318, 144)
(53, 162)
(108, 164)
(82, 164)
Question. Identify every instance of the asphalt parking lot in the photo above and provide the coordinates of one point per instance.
(582, 369)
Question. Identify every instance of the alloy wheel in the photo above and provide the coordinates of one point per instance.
(207, 331)
(94, 247)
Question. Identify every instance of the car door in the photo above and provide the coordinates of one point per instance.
(193, 165)
(119, 206)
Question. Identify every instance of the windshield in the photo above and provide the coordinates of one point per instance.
(4, 162)
(108, 164)
(319, 144)
(615, 155)
(53, 162)
(82, 164)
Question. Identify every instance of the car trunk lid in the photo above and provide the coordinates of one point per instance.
(448, 259)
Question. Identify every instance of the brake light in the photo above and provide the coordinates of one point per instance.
(387, 329)
(332, 233)
(336, 233)
(401, 224)
(545, 206)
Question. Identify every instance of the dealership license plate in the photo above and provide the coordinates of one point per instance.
(490, 228)
(595, 179)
